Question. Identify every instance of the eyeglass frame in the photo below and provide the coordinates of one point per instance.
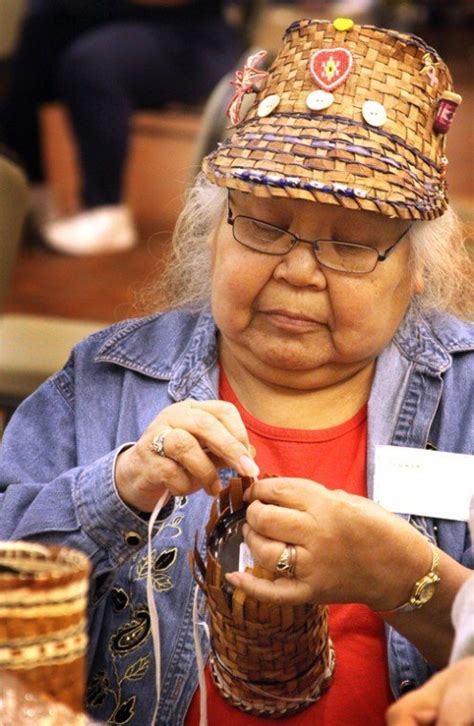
(381, 256)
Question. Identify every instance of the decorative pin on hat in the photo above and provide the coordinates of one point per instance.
(430, 68)
(248, 80)
(268, 104)
(447, 106)
(330, 67)
(343, 24)
(319, 100)
(374, 113)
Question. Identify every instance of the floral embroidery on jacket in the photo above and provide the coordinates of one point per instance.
(159, 563)
(125, 640)
(108, 691)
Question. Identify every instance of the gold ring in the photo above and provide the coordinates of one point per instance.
(287, 561)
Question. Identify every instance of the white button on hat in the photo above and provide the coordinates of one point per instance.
(268, 104)
(319, 100)
(374, 113)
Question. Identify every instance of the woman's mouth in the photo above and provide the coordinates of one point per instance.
(290, 320)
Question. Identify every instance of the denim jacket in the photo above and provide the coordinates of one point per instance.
(57, 485)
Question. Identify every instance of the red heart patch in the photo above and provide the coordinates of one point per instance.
(330, 67)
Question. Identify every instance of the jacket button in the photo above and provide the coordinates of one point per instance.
(133, 539)
(407, 686)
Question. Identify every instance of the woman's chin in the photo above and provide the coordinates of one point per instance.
(288, 355)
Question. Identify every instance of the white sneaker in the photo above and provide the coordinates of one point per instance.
(43, 207)
(100, 230)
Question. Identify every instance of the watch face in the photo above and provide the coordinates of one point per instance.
(426, 592)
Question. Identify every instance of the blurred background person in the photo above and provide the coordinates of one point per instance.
(105, 60)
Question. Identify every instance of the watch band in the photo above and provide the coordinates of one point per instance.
(423, 589)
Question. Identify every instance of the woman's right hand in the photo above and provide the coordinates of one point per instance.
(201, 436)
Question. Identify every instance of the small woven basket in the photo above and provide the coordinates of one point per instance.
(267, 660)
(43, 601)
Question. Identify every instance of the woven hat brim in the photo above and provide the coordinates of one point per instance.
(331, 160)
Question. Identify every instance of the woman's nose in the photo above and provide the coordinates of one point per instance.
(300, 267)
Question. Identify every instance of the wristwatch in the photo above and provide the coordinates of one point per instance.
(423, 589)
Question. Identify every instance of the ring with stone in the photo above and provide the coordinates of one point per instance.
(158, 442)
(287, 561)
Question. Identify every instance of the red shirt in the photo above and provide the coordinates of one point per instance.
(360, 691)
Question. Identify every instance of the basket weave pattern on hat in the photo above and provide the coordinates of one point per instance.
(266, 659)
(43, 602)
(334, 155)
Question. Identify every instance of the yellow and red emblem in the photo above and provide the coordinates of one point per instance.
(330, 67)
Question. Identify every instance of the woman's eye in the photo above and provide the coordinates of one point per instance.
(266, 232)
(346, 250)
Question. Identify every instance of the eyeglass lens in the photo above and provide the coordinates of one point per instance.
(269, 239)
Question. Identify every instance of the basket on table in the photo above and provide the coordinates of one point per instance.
(267, 660)
(43, 601)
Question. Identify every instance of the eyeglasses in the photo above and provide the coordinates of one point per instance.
(269, 239)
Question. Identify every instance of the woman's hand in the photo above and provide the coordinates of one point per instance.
(200, 437)
(447, 699)
(348, 549)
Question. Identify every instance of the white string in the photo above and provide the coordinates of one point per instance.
(150, 598)
(200, 659)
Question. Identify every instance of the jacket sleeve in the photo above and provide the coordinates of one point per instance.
(46, 497)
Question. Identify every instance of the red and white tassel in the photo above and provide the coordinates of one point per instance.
(248, 80)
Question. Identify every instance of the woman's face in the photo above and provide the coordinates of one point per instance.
(292, 322)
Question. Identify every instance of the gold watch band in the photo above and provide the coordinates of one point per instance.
(423, 589)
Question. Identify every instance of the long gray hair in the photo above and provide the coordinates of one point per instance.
(439, 254)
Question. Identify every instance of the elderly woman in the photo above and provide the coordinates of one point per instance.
(316, 266)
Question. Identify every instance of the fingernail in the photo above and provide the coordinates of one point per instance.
(246, 495)
(249, 467)
(233, 578)
(245, 529)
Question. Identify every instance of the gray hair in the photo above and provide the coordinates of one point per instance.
(439, 255)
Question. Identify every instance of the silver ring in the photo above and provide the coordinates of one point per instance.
(158, 442)
(287, 562)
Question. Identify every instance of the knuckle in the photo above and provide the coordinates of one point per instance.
(160, 473)
(231, 448)
(280, 487)
(181, 442)
(229, 408)
(167, 470)
(261, 516)
(202, 419)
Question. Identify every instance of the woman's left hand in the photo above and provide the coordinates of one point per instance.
(348, 549)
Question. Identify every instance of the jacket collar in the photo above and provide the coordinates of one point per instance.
(430, 338)
(181, 346)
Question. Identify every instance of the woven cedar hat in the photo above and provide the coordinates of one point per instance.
(349, 114)
(43, 625)
(267, 660)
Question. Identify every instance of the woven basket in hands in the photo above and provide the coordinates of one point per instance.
(43, 601)
(267, 660)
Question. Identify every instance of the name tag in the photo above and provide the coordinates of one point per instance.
(427, 483)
